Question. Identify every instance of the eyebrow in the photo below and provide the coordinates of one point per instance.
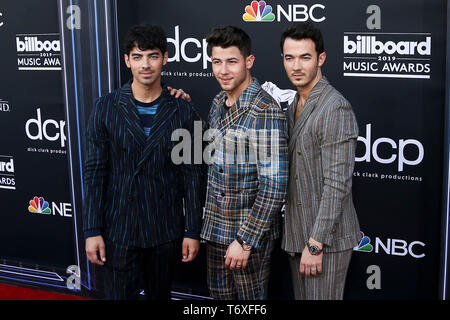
(300, 55)
(226, 59)
(155, 53)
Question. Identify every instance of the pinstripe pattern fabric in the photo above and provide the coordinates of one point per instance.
(244, 193)
(128, 270)
(329, 285)
(134, 193)
(322, 153)
(244, 284)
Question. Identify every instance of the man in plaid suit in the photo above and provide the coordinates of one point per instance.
(248, 173)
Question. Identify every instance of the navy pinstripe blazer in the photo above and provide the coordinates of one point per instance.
(134, 193)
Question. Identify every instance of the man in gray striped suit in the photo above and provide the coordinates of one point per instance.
(320, 225)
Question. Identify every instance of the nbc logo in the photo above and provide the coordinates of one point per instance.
(258, 11)
(39, 205)
(364, 245)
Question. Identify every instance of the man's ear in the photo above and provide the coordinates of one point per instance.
(322, 58)
(127, 60)
(249, 61)
(165, 58)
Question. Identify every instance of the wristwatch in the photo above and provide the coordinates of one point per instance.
(314, 250)
(245, 245)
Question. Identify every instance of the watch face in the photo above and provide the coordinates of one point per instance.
(246, 246)
(314, 250)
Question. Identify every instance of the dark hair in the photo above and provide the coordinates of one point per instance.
(304, 30)
(227, 36)
(145, 37)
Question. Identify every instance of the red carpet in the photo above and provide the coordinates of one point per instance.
(9, 292)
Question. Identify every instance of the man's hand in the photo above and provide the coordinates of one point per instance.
(311, 265)
(236, 257)
(94, 244)
(190, 249)
(179, 93)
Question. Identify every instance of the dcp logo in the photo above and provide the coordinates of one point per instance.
(398, 153)
(197, 49)
(50, 129)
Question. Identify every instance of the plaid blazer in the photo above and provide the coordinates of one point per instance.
(247, 179)
(134, 193)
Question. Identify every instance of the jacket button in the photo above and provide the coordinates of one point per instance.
(130, 198)
(296, 176)
(299, 203)
(221, 170)
(223, 194)
(299, 152)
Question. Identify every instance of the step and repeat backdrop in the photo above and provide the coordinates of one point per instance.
(36, 222)
(387, 58)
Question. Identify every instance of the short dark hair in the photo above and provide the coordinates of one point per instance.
(304, 30)
(227, 36)
(145, 37)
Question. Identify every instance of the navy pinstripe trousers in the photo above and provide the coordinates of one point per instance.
(128, 270)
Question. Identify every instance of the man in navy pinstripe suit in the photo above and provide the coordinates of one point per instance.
(142, 212)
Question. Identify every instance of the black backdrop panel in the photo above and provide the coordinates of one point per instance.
(36, 244)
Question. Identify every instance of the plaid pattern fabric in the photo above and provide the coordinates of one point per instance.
(248, 176)
(244, 284)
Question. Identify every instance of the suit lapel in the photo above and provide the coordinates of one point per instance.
(129, 111)
(306, 111)
(163, 117)
(242, 107)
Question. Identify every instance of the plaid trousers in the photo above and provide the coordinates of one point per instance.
(244, 284)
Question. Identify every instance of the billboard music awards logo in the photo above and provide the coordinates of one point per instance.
(4, 106)
(38, 52)
(387, 55)
(38, 205)
(7, 173)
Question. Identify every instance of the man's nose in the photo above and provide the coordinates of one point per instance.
(145, 63)
(224, 68)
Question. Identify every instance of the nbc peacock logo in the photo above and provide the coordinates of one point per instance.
(258, 11)
(39, 205)
(364, 245)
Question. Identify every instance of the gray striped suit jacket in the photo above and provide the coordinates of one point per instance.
(322, 146)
